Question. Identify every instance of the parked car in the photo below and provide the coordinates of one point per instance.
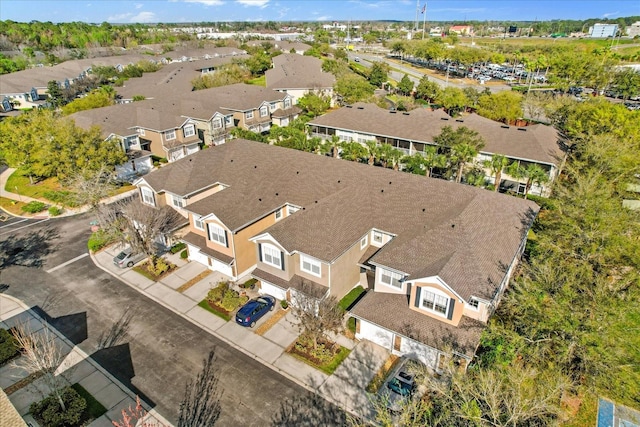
(400, 387)
(253, 310)
(127, 258)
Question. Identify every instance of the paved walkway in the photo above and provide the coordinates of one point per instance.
(345, 388)
(77, 367)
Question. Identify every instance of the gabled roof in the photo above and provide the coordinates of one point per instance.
(292, 71)
(341, 201)
(539, 142)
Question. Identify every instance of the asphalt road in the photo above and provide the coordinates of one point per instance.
(147, 347)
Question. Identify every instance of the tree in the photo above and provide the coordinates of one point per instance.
(55, 94)
(89, 186)
(405, 85)
(372, 149)
(427, 89)
(433, 159)
(378, 73)
(41, 354)
(316, 316)
(227, 75)
(138, 225)
(353, 88)
(334, 145)
(461, 146)
(201, 403)
(452, 99)
(627, 83)
(461, 154)
(415, 164)
(353, 151)
(505, 106)
(497, 163)
(314, 104)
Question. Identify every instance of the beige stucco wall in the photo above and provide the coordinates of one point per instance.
(247, 251)
(345, 272)
(156, 143)
(215, 245)
(324, 270)
(457, 309)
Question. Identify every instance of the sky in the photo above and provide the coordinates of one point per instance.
(176, 11)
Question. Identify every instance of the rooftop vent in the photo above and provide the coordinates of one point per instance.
(316, 201)
(259, 200)
(523, 129)
(453, 226)
(349, 106)
(338, 181)
(276, 194)
(393, 111)
(504, 126)
(231, 160)
(389, 182)
(255, 166)
(382, 191)
(297, 172)
(444, 118)
(360, 108)
(423, 209)
(460, 120)
(405, 114)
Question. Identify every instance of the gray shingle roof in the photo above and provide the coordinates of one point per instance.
(293, 71)
(343, 200)
(538, 142)
(392, 312)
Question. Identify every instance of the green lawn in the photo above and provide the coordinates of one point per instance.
(19, 183)
(259, 81)
(351, 298)
(12, 206)
(94, 408)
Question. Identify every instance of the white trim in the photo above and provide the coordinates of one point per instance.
(216, 234)
(197, 219)
(148, 193)
(363, 242)
(312, 262)
(273, 253)
(278, 214)
(189, 130)
(377, 235)
(392, 276)
(438, 295)
(471, 306)
(248, 115)
(170, 135)
(177, 201)
(264, 111)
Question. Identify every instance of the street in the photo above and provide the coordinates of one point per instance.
(147, 347)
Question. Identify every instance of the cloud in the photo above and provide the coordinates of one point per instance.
(256, 3)
(606, 15)
(323, 18)
(206, 2)
(144, 17)
(138, 6)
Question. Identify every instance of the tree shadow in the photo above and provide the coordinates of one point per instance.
(308, 410)
(116, 333)
(28, 250)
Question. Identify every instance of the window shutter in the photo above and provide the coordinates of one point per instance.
(417, 301)
(226, 238)
(260, 251)
(282, 260)
(452, 304)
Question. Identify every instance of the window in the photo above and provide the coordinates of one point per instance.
(263, 111)
(272, 256)
(279, 214)
(287, 103)
(363, 242)
(228, 120)
(292, 209)
(169, 135)
(310, 265)
(377, 237)
(474, 303)
(272, 106)
(189, 130)
(197, 222)
(434, 302)
(248, 115)
(147, 196)
(217, 234)
(141, 131)
(177, 201)
(217, 123)
(391, 278)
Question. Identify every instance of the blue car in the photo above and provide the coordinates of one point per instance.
(253, 310)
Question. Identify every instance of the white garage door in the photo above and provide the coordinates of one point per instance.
(196, 255)
(375, 334)
(222, 268)
(268, 288)
(416, 350)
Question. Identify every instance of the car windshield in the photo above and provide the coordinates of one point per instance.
(122, 255)
(399, 387)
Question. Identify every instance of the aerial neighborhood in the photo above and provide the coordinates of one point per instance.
(320, 223)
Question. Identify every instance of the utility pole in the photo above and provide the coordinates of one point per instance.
(424, 19)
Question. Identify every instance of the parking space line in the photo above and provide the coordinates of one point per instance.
(24, 226)
(14, 223)
(64, 264)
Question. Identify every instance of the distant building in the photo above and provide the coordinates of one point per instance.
(601, 31)
(633, 30)
(463, 30)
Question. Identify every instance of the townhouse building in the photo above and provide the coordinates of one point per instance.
(412, 131)
(435, 256)
(298, 75)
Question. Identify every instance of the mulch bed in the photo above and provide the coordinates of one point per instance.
(308, 356)
(22, 383)
(193, 281)
(216, 307)
(268, 324)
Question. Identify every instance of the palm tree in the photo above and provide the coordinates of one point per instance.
(497, 163)
(535, 175)
(433, 159)
(353, 151)
(461, 154)
(334, 144)
(372, 151)
(394, 156)
(384, 154)
(415, 164)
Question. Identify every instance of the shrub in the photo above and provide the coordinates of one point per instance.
(351, 324)
(160, 266)
(215, 295)
(284, 304)
(249, 283)
(8, 346)
(61, 197)
(184, 254)
(177, 248)
(55, 211)
(97, 241)
(48, 412)
(34, 207)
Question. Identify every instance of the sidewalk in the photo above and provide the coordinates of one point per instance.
(345, 388)
(77, 367)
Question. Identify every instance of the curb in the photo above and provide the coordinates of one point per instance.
(226, 341)
(86, 357)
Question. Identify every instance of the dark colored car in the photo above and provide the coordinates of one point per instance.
(253, 310)
(400, 387)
